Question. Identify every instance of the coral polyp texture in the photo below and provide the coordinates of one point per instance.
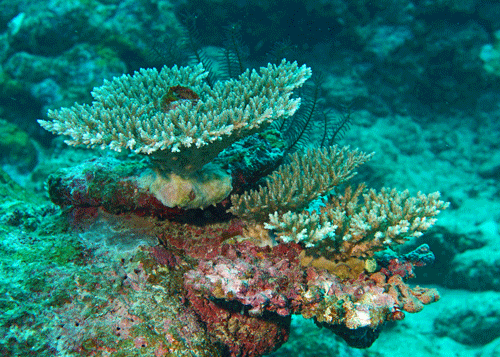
(181, 123)
(292, 186)
(357, 227)
(176, 115)
(292, 238)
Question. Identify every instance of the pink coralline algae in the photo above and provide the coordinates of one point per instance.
(235, 294)
(261, 279)
(272, 280)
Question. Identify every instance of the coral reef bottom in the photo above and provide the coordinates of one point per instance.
(164, 288)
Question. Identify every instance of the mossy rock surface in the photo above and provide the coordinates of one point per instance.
(16, 147)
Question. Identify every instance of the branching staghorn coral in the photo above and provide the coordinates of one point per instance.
(350, 228)
(355, 224)
(293, 185)
(174, 115)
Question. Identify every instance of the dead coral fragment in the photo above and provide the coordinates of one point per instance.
(207, 187)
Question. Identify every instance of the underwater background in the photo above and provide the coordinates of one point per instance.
(416, 82)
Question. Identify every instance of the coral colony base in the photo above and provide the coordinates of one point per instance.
(232, 260)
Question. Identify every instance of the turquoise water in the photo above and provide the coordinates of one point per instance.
(415, 82)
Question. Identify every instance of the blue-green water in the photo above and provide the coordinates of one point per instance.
(416, 82)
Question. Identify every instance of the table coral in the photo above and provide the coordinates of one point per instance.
(129, 112)
(181, 123)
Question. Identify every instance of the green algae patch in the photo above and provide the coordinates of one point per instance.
(16, 147)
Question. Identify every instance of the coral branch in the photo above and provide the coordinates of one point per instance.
(291, 187)
(352, 229)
